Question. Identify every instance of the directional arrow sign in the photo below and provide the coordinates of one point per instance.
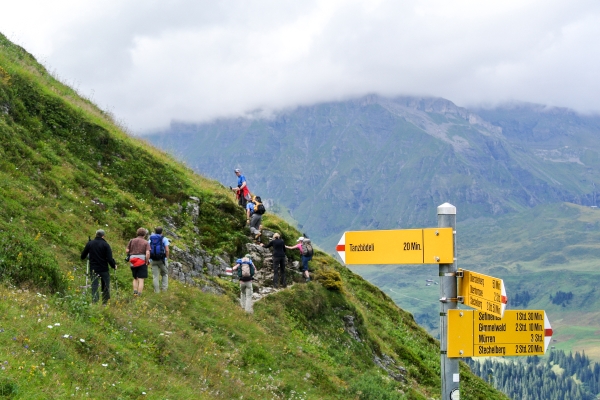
(407, 246)
(483, 292)
(479, 334)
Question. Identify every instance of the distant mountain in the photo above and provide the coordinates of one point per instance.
(376, 163)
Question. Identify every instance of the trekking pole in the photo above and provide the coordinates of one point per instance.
(87, 268)
(87, 272)
(116, 285)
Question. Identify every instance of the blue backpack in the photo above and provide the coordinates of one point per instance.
(157, 248)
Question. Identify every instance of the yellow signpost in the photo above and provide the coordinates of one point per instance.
(407, 246)
(482, 292)
(480, 334)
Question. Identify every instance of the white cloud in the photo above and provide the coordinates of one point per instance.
(153, 61)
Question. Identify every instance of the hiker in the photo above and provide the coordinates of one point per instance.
(255, 226)
(245, 271)
(159, 259)
(249, 211)
(242, 193)
(278, 260)
(100, 255)
(138, 254)
(306, 251)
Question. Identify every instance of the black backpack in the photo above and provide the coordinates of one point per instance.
(157, 248)
(260, 208)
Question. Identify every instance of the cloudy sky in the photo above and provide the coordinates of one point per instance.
(150, 62)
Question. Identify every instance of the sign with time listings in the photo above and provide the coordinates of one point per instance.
(482, 292)
(480, 334)
(406, 246)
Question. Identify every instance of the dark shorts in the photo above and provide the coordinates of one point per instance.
(139, 272)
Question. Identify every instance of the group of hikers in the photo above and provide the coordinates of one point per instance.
(141, 253)
(154, 252)
(244, 266)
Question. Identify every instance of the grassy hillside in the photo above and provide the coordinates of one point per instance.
(66, 170)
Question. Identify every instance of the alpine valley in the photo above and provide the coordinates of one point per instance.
(522, 176)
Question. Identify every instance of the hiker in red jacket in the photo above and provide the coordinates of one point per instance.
(242, 193)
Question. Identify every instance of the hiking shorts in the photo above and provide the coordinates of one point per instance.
(140, 272)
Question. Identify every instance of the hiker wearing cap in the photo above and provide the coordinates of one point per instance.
(278, 260)
(138, 253)
(245, 272)
(304, 246)
(101, 257)
(242, 193)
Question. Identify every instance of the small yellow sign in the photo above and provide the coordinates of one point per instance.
(483, 292)
(407, 246)
(479, 334)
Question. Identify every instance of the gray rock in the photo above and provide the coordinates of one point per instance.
(388, 364)
(351, 328)
(193, 209)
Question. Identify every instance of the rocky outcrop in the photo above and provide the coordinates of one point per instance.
(388, 364)
(195, 267)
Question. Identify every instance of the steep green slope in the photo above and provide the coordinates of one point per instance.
(66, 170)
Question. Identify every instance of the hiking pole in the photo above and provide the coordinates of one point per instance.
(116, 285)
(87, 268)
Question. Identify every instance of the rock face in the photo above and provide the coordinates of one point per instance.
(194, 266)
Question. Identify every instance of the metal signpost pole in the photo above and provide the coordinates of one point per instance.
(448, 300)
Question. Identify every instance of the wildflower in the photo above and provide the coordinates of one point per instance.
(56, 324)
(105, 365)
(82, 340)
(50, 327)
(66, 336)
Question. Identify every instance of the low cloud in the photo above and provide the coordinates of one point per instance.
(152, 62)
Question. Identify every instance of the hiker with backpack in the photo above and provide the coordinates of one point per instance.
(100, 257)
(249, 211)
(245, 272)
(306, 251)
(278, 260)
(159, 259)
(242, 193)
(255, 226)
(138, 255)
